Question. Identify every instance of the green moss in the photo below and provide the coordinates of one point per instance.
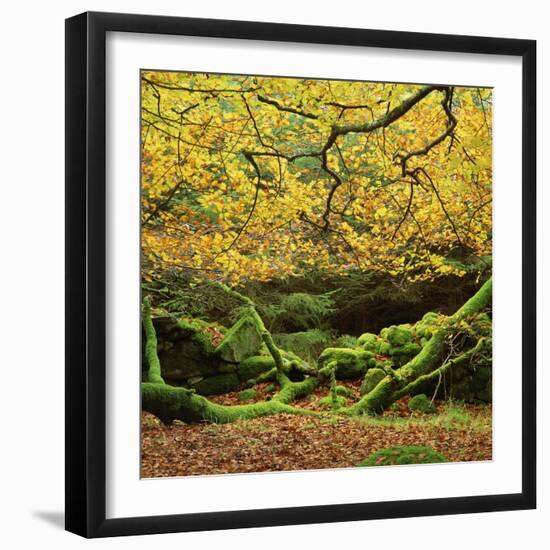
(343, 391)
(461, 366)
(428, 325)
(154, 371)
(404, 455)
(377, 399)
(248, 394)
(384, 348)
(370, 342)
(480, 300)
(421, 403)
(395, 342)
(270, 388)
(372, 378)
(187, 351)
(481, 324)
(221, 383)
(431, 317)
(243, 340)
(254, 366)
(268, 376)
(224, 368)
(425, 361)
(195, 330)
(290, 391)
(410, 349)
(334, 402)
(191, 324)
(402, 355)
(397, 336)
(169, 403)
(351, 363)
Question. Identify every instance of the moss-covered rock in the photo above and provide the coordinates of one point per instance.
(186, 359)
(350, 363)
(184, 348)
(370, 342)
(371, 380)
(196, 329)
(332, 401)
(397, 336)
(396, 342)
(248, 395)
(403, 354)
(242, 340)
(471, 383)
(425, 328)
(227, 367)
(394, 456)
(421, 403)
(221, 383)
(254, 366)
(259, 368)
(343, 391)
(385, 348)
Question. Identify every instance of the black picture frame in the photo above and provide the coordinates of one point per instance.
(86, 274)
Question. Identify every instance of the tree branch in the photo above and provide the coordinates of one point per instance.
(285, 108)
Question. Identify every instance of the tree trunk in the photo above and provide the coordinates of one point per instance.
(170, 403)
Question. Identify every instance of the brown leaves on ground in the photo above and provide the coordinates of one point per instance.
(216, 335)
(289, 442)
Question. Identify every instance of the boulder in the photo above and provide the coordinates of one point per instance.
(351, 363)
(187, 359)
(243, 340)
(372, 379)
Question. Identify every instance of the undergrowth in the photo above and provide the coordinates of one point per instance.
(452, 416)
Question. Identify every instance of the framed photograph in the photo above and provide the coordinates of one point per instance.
(300, 281)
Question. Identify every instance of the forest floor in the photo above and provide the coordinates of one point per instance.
(461, 432)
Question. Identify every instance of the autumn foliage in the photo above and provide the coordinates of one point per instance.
(257, 178)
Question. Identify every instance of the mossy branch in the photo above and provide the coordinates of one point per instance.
(291, 391)
(262, 330)
(154, 374)
(169, 403)
(382, 395)
(465, 357)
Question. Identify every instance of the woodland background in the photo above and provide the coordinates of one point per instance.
(32, 241)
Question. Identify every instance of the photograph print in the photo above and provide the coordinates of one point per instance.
(316, 273)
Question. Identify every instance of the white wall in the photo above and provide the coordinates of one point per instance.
(31, 289)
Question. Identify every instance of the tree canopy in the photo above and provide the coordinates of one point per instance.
(256, 178)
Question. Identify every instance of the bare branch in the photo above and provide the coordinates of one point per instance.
(250, 158)
(285, 108)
